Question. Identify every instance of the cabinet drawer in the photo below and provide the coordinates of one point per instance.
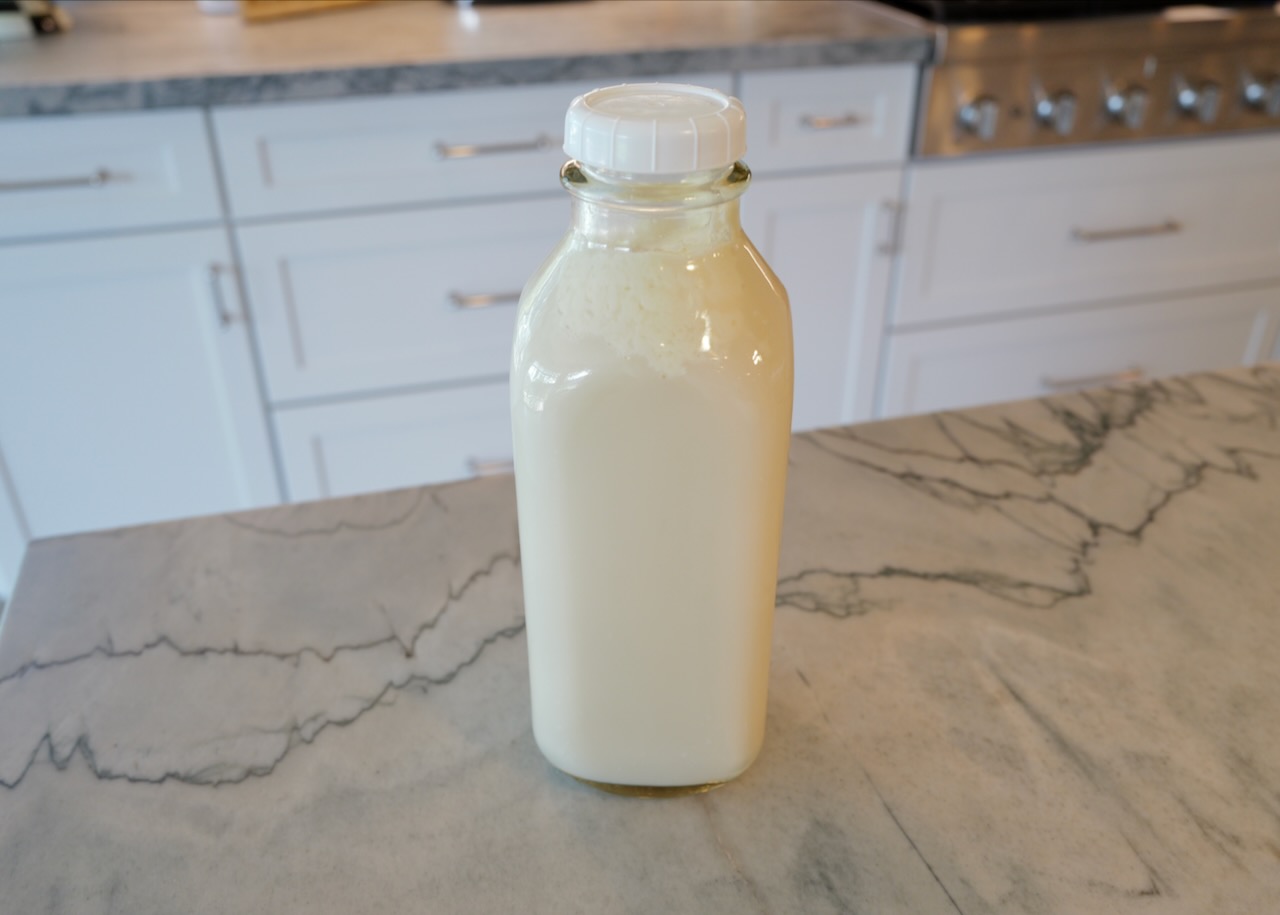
(829, 116)
(374, 302)
(1031, 357)
(477, 143)
(116, 171)
(1002, 235)
(393, 442)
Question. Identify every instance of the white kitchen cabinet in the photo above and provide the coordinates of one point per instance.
(475, 144)
(1030, 357)
(391, 442)
(829, 238)
(828, 116)
(366, 303)
(1001, 235)
(13, 539)
(105, 172)
(127, 387)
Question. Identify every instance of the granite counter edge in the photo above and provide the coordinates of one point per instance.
(314, 85)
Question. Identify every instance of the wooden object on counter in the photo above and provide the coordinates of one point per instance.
(262, 10)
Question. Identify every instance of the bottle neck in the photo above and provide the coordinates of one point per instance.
(689, 212)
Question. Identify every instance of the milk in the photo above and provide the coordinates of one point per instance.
(651, 406)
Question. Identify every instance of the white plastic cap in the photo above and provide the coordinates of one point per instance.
(655, 129)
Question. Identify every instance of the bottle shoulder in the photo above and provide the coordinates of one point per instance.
(668, 309)
(712, 272)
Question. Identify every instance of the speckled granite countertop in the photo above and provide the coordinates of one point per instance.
(131, 54)
(1025, 660)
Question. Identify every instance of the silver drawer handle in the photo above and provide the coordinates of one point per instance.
(482, 467)
(834, 122)
(97, 179)
(1128, 376)
(1168, 227)
(471, 150)
(475, 300)
(226, 317)
(892, 211)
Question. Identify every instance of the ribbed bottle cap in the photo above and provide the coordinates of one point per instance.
(655, 129)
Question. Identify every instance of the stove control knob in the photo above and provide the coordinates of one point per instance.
(1128, 106)
(1262, 93)
(979, 117)
(1198, 100)
(1057, 111)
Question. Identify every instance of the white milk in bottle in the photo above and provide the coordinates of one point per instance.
(651, 407)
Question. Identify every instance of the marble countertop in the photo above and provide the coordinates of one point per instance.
(129, 54)
(1025, 661)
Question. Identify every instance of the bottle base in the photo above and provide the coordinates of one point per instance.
(647, 790)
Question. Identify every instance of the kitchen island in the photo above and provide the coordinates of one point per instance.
(1025, 660)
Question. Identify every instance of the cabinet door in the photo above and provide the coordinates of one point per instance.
(391, 442)
(127, 391)
(1031, 357)
(371, 303)
(829, 238)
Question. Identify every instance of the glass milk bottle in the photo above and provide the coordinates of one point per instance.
(651, 410)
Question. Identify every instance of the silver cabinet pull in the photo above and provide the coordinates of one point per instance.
(226, 317)
(1127, 376)
(1168, 227)
(832, 122)
(97, 179)
(489, 467)
(475, 300)
(472, 150)
(892, 211)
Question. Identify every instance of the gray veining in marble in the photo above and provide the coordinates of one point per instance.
(129, 54)
(1025, 660)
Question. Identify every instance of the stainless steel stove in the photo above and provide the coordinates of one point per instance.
(1059, 74)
